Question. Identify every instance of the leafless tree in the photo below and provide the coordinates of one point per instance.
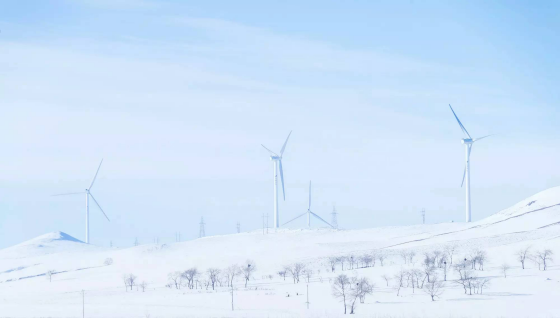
(437, 258)
(404, 255)
(143, 285)
(296, 270)
(522, 255)
(381, 256)
(386, 278)
(411, 255)
(341, 261)
(481, 257)
(213, 275)
(359, 289)
(450, 251)
(108, 261)
(332, 262)
(373, 257)
(544, 256)
(434, 288)
(49, 274)
(307, 273)
(400, 279)
(351, 260)
(130, 280)
(341, 288)
(232, 272)
(248, 270)
(505, 268)
(428, 271)
(175, 278)
(125, 282)
(482, 283)
(190, 276)
(366, 260)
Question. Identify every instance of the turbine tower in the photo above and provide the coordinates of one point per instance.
(277, 161)
(468, 141)
(88, 194)
(309, 213)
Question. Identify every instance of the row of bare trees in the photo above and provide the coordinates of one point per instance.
(131, 281)
(192, 278)
(540, 257)
(354, 261)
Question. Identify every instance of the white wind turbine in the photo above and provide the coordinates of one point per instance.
(309, 213)
(468, 141)
(277, 161)
(88, 194)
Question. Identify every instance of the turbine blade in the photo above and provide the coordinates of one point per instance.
(324, 221)
(93, 181)
(291, 220)
(269, 150)
(284, 146)
(460, 124)
(478, 139)
(282, 178)
(68, 194)
(96, 203)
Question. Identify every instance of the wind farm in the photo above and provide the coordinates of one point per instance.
(166, 117)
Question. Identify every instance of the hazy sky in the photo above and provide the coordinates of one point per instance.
(178, 96)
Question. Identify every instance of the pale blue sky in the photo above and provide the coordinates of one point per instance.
(178, 96)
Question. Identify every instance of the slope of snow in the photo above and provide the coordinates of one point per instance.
(25, 290)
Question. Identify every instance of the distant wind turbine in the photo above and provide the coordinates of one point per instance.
(277, 161)
(468, 141)
(309, 213)
(88, 194)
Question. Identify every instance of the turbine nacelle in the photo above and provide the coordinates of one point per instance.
(467, 141)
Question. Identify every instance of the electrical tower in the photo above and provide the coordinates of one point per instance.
(334, 220)
(238, 227)
(423, 216)
(201, 232)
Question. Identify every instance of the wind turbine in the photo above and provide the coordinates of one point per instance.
(468, 141)
(88, 194)
(309, 213)
(277, 161)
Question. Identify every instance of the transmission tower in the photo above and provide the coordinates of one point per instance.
(334, 220)
(201, 232)
(423, 216)
(238, 227)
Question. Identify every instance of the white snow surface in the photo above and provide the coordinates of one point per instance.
(25, 290)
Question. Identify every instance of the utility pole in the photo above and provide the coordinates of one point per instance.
(423, 216)
(334, 220)
(307, 295)
(263, 223)
(83, 304)
(238, 227)
(201, 233)
(267, 223)
(232, 296)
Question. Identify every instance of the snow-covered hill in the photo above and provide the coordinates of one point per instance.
(535, 222)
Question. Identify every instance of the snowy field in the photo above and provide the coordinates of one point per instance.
(26, 291)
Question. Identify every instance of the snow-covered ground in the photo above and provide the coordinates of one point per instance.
(25, 290)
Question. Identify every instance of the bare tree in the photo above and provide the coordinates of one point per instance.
(482, 283)
(143, 285)
(366, 260)
(386, 278)
(307, 273)
(373, 257)
(232, 272)
(434, 288)
(296, 270)
(108, 261)
(190, 276)
(175, 278)
(213, 275)
(381, 256)
(248, 270)
(450, 251)
(49, 274)
(359, 289)
(411, 255)
(504, 268)
(125, 282)
(465, 276)
(341, 288)
(341, 261)
(404, 255)
(332, 262)
(544, 256)
(481, 257)
(522, 255)
(400, 279)
(428, 271)
(130, 280)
